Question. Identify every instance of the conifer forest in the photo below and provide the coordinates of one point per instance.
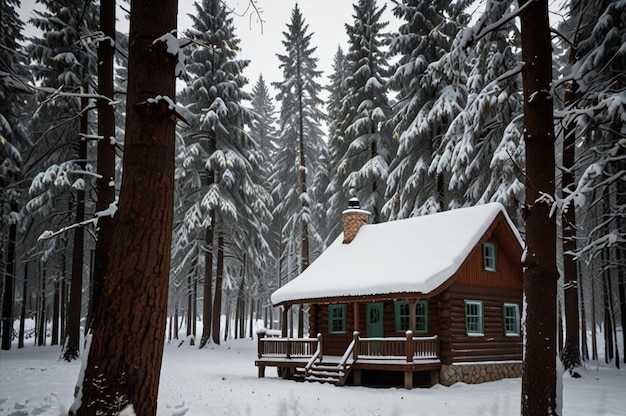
(145, 178)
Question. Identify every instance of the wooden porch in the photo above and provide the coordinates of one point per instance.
(303, 358)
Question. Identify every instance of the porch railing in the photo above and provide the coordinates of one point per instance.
(288, 347)
(409, 348)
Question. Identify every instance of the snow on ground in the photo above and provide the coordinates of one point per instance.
(222, 380)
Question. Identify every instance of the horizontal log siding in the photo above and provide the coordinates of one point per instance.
(494, 345)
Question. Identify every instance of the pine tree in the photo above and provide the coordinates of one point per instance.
(593, 127)
(370, 148)
(64, 62)
(300, 138)
(475, 150)
(423, 92)
(337, 90)
(220, 148)
(263, 130)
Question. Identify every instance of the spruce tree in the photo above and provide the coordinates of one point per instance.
(221, 151)
(426, 36)
(14, 142)
(369, 146)
(300, 140)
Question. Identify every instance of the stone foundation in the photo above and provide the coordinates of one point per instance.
(474, 373)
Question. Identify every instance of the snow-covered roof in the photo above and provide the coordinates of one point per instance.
(412, 255)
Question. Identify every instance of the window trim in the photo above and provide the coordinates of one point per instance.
(515, 307)
(398, 317)
(480, 315)
(425, 303)
(332, 319)
(490, 257)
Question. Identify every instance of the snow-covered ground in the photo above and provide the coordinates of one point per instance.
(222, 380)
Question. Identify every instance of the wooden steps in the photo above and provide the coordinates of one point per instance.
(327, 372)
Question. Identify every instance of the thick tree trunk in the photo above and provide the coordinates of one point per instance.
(217, 303)
(124, 362)
(540, 275)
(8, 296)
(570, 355)
(207, 304)
(106, 154)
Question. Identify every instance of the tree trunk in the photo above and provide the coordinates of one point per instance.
(41, 314)
(217, 303)
(189, 305)
(207, 304)
(124, 363)
(20, 337)
(540, 275)
(56, 304)
(570, 355)
(8, 297)
(71, 346)
(106, 154)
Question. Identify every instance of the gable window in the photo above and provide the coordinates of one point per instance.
(474, 317)
(403, 316)
(489, 257)
(336, 319)
(511, 319)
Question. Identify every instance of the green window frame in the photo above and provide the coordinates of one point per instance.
(489, 257)
(402, 316)
(336, 319)
(511, 319)
(421, 316)
(474, 317)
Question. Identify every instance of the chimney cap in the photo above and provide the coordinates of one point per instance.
(353, 203)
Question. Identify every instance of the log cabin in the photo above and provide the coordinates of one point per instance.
(413, 302)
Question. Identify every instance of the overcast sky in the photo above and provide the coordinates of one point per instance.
(261, 37)
(262, 40)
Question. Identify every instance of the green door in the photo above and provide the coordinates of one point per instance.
(374, 319)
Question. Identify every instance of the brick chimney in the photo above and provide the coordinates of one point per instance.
(353, 218)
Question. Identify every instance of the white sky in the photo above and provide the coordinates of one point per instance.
(262, 40)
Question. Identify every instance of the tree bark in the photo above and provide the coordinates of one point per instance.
(570, 355)
(124, 362)
(106, 154)
(540, 272)
(8, 297)
(207, 304)
(71, 346)
(20, 337)
(217, 303)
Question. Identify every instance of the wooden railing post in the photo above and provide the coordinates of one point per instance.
(355, 351)
(260, 334)
(288, 352)
(319, 345)
(409, 346)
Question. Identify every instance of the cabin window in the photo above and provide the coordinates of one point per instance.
(489, 257)
(336, 319)
(421, 316)
(403, 317)
(474, 317)
(511, 319)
